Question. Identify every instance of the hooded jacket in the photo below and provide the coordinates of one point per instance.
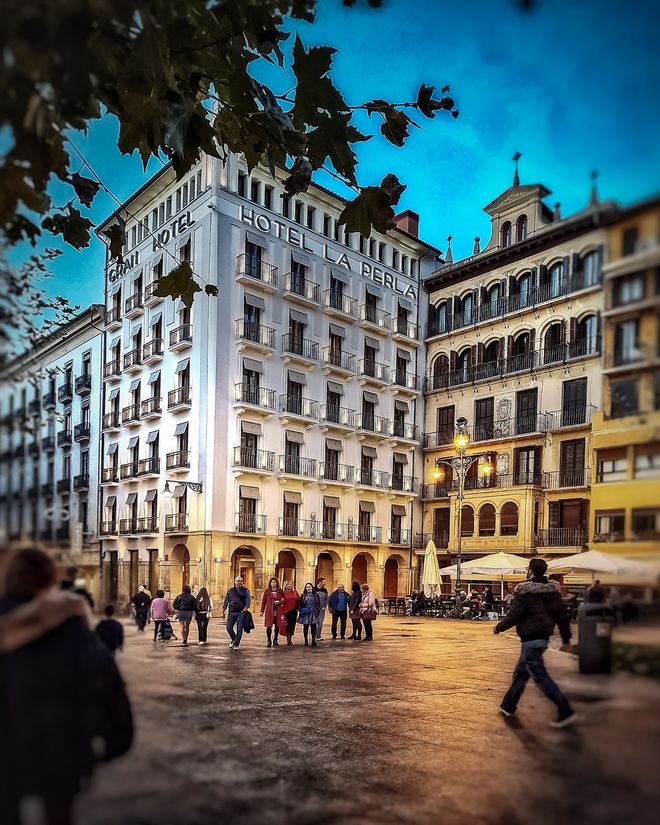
(535, 610)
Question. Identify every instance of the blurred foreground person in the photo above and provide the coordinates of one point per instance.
(110, 631)
(69, 583)
(63, 703)
(536, 608)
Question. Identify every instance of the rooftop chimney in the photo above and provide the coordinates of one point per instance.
(408, 221)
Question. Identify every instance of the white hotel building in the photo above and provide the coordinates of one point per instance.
(293, 398)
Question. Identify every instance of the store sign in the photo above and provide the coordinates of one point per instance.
(298, 237)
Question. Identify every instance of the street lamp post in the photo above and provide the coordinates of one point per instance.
(460, 466)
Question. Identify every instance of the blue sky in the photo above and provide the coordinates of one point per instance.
(574, 85)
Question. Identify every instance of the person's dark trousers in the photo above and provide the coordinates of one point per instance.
(269, 635)
(357, 629)
(202, 626)
(368, 629)
(235, 620)
(291, 621)
(531, 665)
(339, 617)
(306, 629)
(159, 626)
(141, 620)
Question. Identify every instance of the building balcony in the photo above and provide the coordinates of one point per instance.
(130, 416)
(181, 338)
(374, 319)
(83, 385)
(368, 533)
(133, 306)
(64, 394)
(152, 351)
(373, 372)
(128, 526)
(574, 537)
(380, 479)
(150, 297)
(179, 399)
(48, 401)
(176, 522)
(570, 417)
(129, 471)
(110, 476)
(48, 489)
(256, 461)
(108, 528)
(112, 370)
(110, 422)
(301, 290)
(331, 472)
(48, 444)
(400, 535)
(405, 382)
(64, 438)
(335, 531)
(338, 362)
(637, 357)
(250, 523)
(301, 350)
(150, 408)
(81, 432)
(441, 540)
(566, 479)
(147, 525)
(403, 484)
(81, 482)
(340, 306)
(436, 491)
(293, 407)
(333, 417)
(404, 431)
(254, 336)
(368, 424)
(254, 272)
(298, 528)
(178, 461)
(524, 425)
(113, 319)
(149, 467)
(405, 331)
(297, 466)
(63, 485)
(34, 407)
(258, 399)
(133, 361)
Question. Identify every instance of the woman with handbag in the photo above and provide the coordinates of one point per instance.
(354, 611)
(269, 604)
(203, 615)
(287, 612)
(309, 609)
(368, 612)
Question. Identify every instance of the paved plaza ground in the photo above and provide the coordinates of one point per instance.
(402, 730)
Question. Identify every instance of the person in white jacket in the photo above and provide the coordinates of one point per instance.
(368, 612)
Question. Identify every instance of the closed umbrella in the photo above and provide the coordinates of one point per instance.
(431, 573)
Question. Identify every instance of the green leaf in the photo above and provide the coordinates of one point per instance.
(116, 235)
(179, 283)
(71, 225)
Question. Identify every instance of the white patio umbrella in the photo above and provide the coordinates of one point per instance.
(431, 573)
(596, 561)
(494, 565)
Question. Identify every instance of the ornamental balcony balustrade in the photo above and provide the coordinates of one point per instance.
(303, 348)
(299, 406)
(177, 523)
(255, 396)
(561, 537)
(374, 318)
(245, 457)
(179, 398)
(339, 416)
(368, 422)
(297, 285)
(250, 523)
(83, 384)
(64, 393)
(566, 478)
(250, 268)
(405, 328)
(340, 304)
(81, 482)
(339, 360)
(254, 333)
(399, 535)
(177, 460)
(297, 466)
(367, 477)
(333, 471)
(150, 297)
(181, 337)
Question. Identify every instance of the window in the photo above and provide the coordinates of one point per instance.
(527, 465)
(610, 525)
(311, 212)
(586, 337)
(555, 280)
(487, 520)
(624, 398)
(523, 290)
(298, 211)
(629, 240)
(395, 259)
(526, 411)
(255, 185)
(467, 520)
(590, 269)
(242, 188)
(327, 226)
(626, 337)
(440, 372)
(646, 524)
(286, 206)
(505, 234)
(521, 228)
(509, 519)
(268, 197)
(647, 462)
(611, 465)
(440, 320)
(574, 402)
(553, 344)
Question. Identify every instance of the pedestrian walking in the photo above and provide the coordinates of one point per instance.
(324, 597)
(69, 583)
(160, 612)
(270, 601)
(354, 611)
(287, 612)
(308, 613)
(110, 631)
(141, 602)
(368, 612)
(185, 605)
(596, 593)
(338, 607)
(203, 614)
(536, 608)
(66, 705)
(237, 601)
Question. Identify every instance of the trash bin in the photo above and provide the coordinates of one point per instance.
(595, 622)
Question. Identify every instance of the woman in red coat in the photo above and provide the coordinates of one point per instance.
(269, 604)
(287, 612)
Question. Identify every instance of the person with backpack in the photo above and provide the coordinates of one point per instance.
(141, 602)
(203, 614)
(536, 608)
(368, 612)
(160, 611)
(185, 605)
(309, 608)
(237, 600)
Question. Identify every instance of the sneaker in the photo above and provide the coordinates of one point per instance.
(506, 712)
(184, 644)
(564, 720)
(231, 645)
(236, 648)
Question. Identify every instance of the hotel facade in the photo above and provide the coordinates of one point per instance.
(274, 429)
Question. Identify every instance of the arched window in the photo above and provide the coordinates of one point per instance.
(464, 309)
(509, 519)
(521, 228)
(521, 356)
(524, 290)
(590, 269)
(505, 234)
(491, 359)
(553, 344)
(487, 520)
(491, 306)
(555, 281)
(467, 520)
(586, 339)
(440, 319)
(464, 365)
(440, 372)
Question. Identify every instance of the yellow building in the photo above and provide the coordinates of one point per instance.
(514, 347)
(626, 432)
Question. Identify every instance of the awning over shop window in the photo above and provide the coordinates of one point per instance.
(132, 444)
(300, 258)
(373, 343)
(334, 444)
(400, 458)
(131, 498)
(112, 449)
(297, 377)
(251, 364)
(255, 301)
(404, 354)
(405, 304)
(134, 385)
(250, 428)
(398, 510)
(181, 428)
(370, 452)
(371, 397)
(338, 275)
(336, 387)
(182, 365)
(300, 317)
(154, 377)
(335, 329)
(179, 491)
(257, 240)
(111, 501)
(372, 289)
(331, 501)
(295, 437)
(113, 394)
(153, 436)
(151, 495)
(367, 507)
(291, 497)
(401, 406)
(248, 492)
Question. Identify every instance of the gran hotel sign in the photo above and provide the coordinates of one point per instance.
(297, 237)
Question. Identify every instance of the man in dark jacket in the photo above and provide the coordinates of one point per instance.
(238, 601)
(141, 602)
(536, 608)
(110, 631)
(338, 607)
